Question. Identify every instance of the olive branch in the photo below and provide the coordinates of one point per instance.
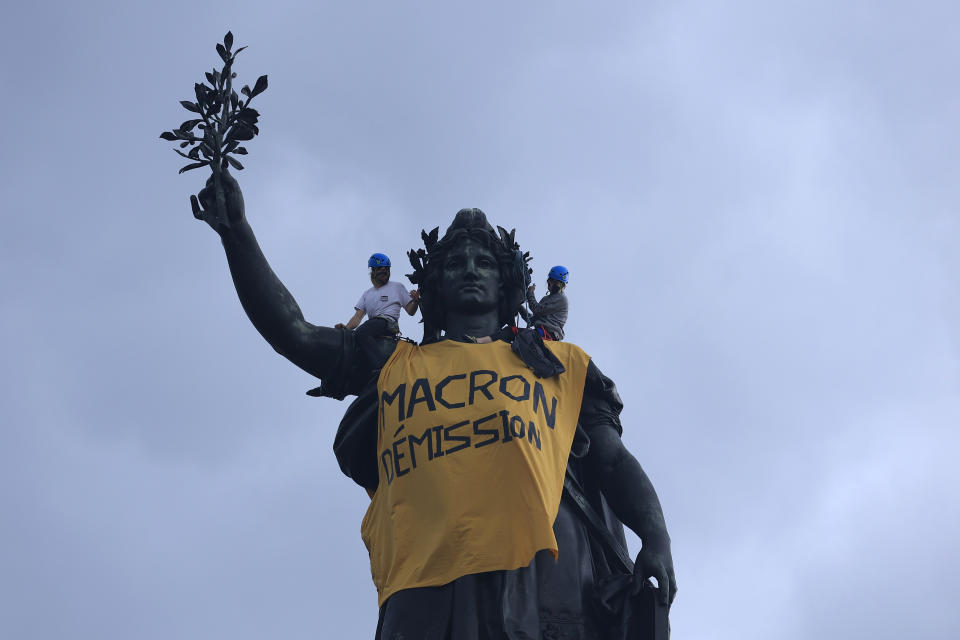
(225, 119)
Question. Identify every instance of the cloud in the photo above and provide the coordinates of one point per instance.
(757, 206)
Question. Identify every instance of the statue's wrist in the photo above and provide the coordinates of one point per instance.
(237, 234)
(656, 538)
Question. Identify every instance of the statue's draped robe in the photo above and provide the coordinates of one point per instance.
(547, 599)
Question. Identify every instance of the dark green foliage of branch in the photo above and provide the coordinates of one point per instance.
(225, 118)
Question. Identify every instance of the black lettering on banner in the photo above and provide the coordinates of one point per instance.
(540, 397)
(412, 439)
(517, 433)
(474, 387)
(506, 425)
(387, 466)
(449, 437)
(385, 399)
(526, 388)
(423, 386)
(533, 434)
(397, 456)
(493, 433)
(443, 385)
(514, 428)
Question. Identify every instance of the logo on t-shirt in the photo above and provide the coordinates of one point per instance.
(383, 298)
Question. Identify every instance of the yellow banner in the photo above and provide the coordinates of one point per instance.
(472, 450)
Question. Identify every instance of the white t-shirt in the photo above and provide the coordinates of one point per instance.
(385, 301)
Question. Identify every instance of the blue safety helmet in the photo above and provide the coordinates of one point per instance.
(559, 273)
(378, 260)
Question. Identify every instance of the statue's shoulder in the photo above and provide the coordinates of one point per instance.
(354, 371)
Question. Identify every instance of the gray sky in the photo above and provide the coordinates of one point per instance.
(757, 202)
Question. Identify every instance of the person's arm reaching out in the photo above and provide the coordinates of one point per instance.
(411, 307)
(549, 304)
(353, 322)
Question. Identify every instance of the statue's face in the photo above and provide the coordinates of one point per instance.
(471, 279)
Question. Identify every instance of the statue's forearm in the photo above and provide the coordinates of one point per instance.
(272, 309)
(268, 303)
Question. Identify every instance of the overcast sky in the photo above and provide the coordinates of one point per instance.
(757, 202)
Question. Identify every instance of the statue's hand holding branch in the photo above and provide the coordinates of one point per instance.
(220, 203)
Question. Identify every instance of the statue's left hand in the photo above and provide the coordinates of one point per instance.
(656, 561)
(220, 207)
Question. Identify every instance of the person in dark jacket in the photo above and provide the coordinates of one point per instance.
(550, 314)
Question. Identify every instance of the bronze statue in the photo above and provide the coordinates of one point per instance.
(472, 280)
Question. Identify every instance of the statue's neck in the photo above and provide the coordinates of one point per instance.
(476, 325)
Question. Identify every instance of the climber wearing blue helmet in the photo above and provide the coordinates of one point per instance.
(550, 314)
(381, 303)
(547, 316)
(383, 300)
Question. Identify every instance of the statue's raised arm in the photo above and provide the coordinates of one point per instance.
(267, 302)
(221, 120)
